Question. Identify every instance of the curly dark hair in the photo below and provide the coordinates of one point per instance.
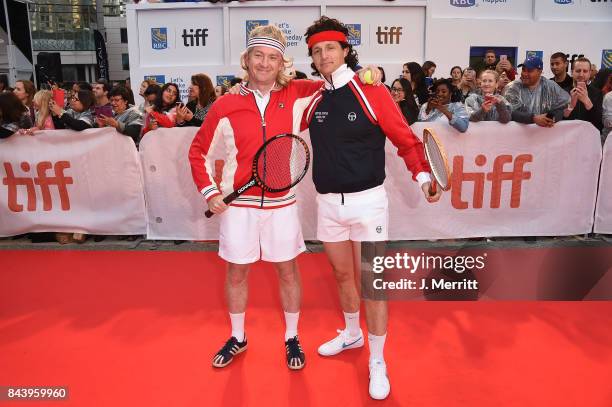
(443, 81)
(11, 108)
(331, 24)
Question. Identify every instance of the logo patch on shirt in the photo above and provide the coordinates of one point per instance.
(352, 116)
(378, 229)
(321, 116)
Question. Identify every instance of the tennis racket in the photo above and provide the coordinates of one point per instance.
(436, 157)
(279, 164)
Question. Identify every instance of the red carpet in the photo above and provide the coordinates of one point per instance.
(140, 328)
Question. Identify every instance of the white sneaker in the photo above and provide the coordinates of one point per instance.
(379, 381)
(341, 342)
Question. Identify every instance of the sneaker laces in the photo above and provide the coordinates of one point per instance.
(229, 345)
(293, 348)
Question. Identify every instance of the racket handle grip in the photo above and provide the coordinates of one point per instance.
(228, 199)
(433, 187)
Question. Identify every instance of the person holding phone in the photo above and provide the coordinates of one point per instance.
(163, 112)
(585, 100)
(126, 119)
(78, 117)
(202, 95)
(533, 97)
(488, 105)
(440, 108)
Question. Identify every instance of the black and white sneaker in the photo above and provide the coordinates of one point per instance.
(231, 348)
(295, 355)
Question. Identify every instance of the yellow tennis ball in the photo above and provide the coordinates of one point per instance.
(368, 77)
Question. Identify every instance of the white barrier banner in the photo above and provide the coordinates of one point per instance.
(67, 181)
(603, 210)
(509, 180)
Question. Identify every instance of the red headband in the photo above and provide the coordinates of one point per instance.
(326, 36)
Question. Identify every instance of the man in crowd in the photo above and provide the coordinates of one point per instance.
(558, 66)
(125, 119)
(585, 100)
(101, 91)
(535, 99)
(489, 61)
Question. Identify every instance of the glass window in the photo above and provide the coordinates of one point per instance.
(124, 38)
(125, 62)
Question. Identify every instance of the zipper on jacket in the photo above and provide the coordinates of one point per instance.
(263, 126)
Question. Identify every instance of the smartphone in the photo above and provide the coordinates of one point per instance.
(489, 98)
(58, 96)
(503, 58)
(581, 85)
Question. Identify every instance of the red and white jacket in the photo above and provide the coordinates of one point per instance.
(233, 131)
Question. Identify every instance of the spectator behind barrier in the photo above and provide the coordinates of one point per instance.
(593, 72)
(43, 114)
(401, 91)
(167, 116)
(467, 86)
(25, 91)
(585, 100)
(152, 102)
(13, 115)
(502, 83)
(489, 61)
(126, 119)
(429, 67)
(102, 105)
(558, 66)
(414, 73)
(488, 105)
(78, 117)
(607, 116)
(220, 90)
(455, 76)
(440, 108)
(535, 99)
(201, 95)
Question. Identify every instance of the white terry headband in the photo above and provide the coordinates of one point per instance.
(266, 42)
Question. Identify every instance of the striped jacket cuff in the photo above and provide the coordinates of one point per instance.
(210, 192)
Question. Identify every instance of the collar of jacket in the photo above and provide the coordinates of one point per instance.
(244, 90)
(340, 77)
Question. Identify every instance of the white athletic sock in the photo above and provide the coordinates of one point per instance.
(291, 323)
(237, 326)
(377, 346)
(352, 322)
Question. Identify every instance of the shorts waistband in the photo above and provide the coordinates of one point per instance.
(369, 195)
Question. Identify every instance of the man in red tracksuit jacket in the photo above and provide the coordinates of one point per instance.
(258, 224)
(349, 124)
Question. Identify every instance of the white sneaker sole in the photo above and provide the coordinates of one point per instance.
(358, 344)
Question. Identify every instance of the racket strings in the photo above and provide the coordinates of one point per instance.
(285, 163)
(437, 162)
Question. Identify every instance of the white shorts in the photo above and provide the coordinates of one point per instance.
(249, 234)
(358, 216)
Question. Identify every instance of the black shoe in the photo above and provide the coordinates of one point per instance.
(231, 348)
(295, 355)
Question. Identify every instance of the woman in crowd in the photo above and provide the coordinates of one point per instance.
(220, 90)
(467, 85)
(488, 105)
(503, 81)
(13, 115)
(25, 91)
(417, 81)
(41, 101)
(152, 103)
(167, 116)
(440, 108)
(429, 68)
(78, 117)
(401, 91)
(201, 95)
(455, 75)
(126, 119)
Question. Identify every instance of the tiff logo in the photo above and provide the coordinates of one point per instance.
(388, 35)
(516, 176)
(192, 39)
(42, 180)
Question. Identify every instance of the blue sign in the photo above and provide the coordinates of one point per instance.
(225, 80)
(354, 31)
(159, 79)
(539, 54)
(462, 3)
(606, 59)
(159, 38)
(252, 24)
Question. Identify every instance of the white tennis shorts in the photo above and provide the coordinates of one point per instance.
(249, 234)
(359, 216)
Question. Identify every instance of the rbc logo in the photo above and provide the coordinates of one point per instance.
(462, 3)
(225, 80)
(159, 38)
(354, 37)
(252, 24)
(160, 79)
(564, 1)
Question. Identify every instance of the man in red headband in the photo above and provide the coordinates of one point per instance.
(349, 123)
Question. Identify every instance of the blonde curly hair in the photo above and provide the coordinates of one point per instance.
(270, 31)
